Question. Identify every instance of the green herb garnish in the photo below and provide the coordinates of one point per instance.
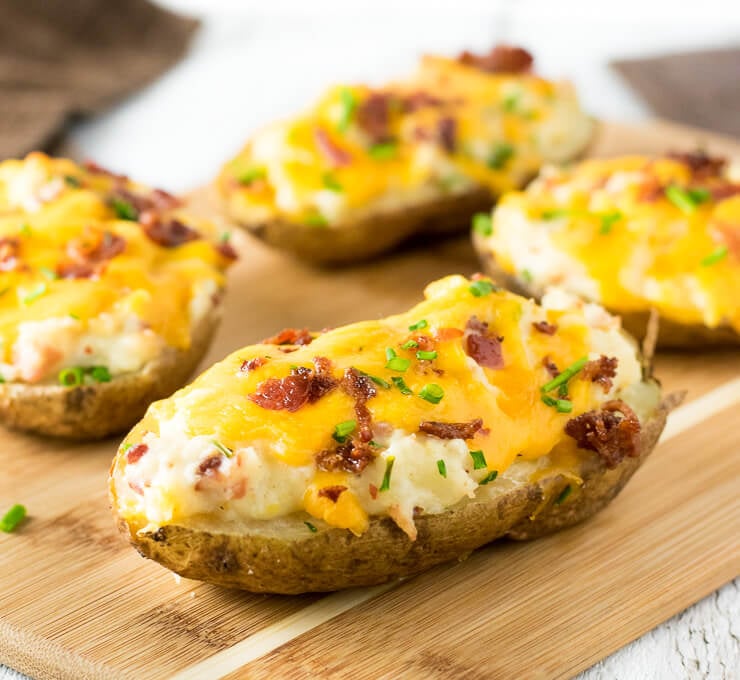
(316, 220)
(563, 406)
(684, 200)
(73, 316)
(343, 430)
(483, 224)
(479, 460)
(223, 449)
(383, 151)
(25, 229)
(387, 476)
(549, 401)
(432, 393)
(311, 527)
(500, 156)
(565, 376)
(608, 220)
(50, 274)
(482, 287)
(331, 183)
(100, 374)
(379, 381)
(714, 257)
(409, 344)
(71, 377)
(564, 494)
(526, 275)
(123, 209)
(72, 181)
(35, 294)
(510, 102)
(395, 363)
(488, 478)
(401, 385)
(421, 355)
(556, 213)
(422, 323)
(348, 103)
(442, 468)
(12, 518)
(251, 175)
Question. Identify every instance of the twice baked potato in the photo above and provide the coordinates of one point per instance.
(109, 295)
(633, 234)
(367, 168)
(314, 462)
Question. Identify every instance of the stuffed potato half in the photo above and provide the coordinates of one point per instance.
(367, 168)
(109, 295)
(314, 462)
(633, 234)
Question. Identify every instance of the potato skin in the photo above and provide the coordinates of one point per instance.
(671, 334)
(95, 411)
(286, 557)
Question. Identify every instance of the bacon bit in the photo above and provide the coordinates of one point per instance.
(168, 233)
(501, 59)
(650, 190)
(337, 156)
(447, 133)
(323, 379)
(360, 388)
(724, 191)
(373, 492)
(9, 253)
(443, 334)
(611, 437)
(252, 364)
(545, 327)
(701, 164)
(601, 371)
(135, 486)
(419, 100)
(731, 236)
(332, 492)
(425, 342)
(209, 467)
(483, 348)
(300, 387)
(290, 336)
(349, 457)
(163, 200)
(451, 430)
(549, 364)
(373, 116)
(225, 249)
(89, 253)
(93, 168)
(135, 453)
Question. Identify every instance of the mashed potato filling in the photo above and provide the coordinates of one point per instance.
(216, 448)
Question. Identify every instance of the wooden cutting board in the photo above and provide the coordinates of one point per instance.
(77, 602)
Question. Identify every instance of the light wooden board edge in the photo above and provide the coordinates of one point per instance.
(275, 635)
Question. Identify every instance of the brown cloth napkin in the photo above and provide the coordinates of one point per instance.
(698, 88)
(60, 59)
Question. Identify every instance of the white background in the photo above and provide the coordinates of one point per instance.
(254, 61)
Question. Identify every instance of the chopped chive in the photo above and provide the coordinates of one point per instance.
(378, 381)
(50, 274)
(510, 102)
(383, 151)
(422, 323)
(316, 220)
(500, 156)
(442, 468)
(225, 237)
(432, 393)
(331, 183)
(123, 209)
(409, 344)
(390, 353)
(564, 494)
(556, 213)
(348, 104)
(399, 382)
(488, 478)
(483, 224)
(25, 229)
(714, 257)
(126, 446)
(387, 476)
(311, 527)
(608, 220)
(699, 194)
(100, 374)
(35, 294)
(563, 391)
(482, 287)
(563, 406)
(479, 460)
(71, 377)
(526, 275)
(72, 181)
(421, 355)
(566, 375)
(681, 198)
(251, 175)
(12, 518)
(549, 401)
(223, 449)
(343, 430)
(398, 364)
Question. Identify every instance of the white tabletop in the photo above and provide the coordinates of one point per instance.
(245, 69)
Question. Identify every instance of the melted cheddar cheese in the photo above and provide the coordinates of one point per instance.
(76, 265)
(270, 469)
(631, 233)
(450, 127)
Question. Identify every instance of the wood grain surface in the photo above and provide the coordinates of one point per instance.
(77, 602)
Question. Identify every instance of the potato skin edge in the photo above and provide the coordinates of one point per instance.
(332, 559)
(96, 411)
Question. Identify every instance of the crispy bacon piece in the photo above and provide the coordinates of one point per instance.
(447, 133)
(549, 364)
(451, 430)
(424, 342)
(350, 457)
(731, 236)
(485, 349)
(302, 386)
(323, 379)
(253, 364)
(332, 492)
(419, 100)
(135, 453)
(168, 233)
(333, 153)
(443, 334)
(373, 116)
(650, 190)
(612, 437)
(501, 59)
(724, 191)
(601, 371)
(701, 164)
(89, 253)
(9, 253)
(360, 388)
(290, 336)
(209, 466)
(225, 249)
(545, 327)
(95, 169)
